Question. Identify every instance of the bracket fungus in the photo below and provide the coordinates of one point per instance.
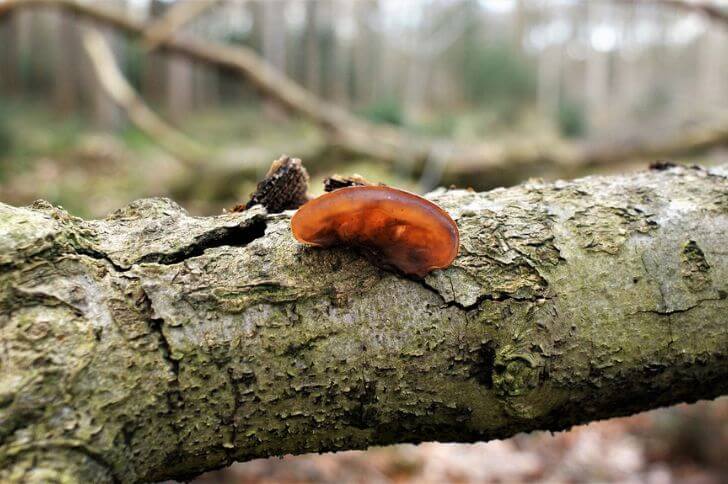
(404, 230)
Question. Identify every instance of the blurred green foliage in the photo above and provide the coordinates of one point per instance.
(241, 38)
(133, 63)
(655, 101)
(327, 57)
(6, 139)
(325, 62)
(28, 131)
(444, 125)
(385, 110)
(571, 119)
(497, 76)
(135, 139)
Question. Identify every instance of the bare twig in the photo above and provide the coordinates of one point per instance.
(710, 10)
(176, 17)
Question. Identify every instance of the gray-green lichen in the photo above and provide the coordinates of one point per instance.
(152, 344)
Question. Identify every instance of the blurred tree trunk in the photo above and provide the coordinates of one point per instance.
(626, 66)
(312, 48)
(180, 76)
(66, 65)
(550, 65)
(417, 70)
(549, 79)
(254, 42)
(712, 70)
(38, 62)
(153, 345)
(386, 85)
(206, 85)
(273, 44)
(23, 50)
(597, 73)
(366, 53)
(339, 12)
(9, 58)
(520, 23)
(180, 86)
(155, 71)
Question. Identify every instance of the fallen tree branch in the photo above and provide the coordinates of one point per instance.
(711, 10)
(115, 85)
(218, 173)
(176, 17)
(479, 165)
(564, 160)
(152, 345)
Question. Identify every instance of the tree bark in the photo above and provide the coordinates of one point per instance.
(154, 345)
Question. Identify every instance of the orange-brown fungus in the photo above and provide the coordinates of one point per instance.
(405, 230)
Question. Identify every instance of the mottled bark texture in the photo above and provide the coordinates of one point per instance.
(152, 344)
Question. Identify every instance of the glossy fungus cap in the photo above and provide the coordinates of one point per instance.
(406, 230)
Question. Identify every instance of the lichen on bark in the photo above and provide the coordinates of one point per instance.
(152, 344)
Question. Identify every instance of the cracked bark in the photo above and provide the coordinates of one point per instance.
(152, 345)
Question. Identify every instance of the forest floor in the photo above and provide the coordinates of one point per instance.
(92, 171)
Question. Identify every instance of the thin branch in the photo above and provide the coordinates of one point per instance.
(710, 10)
(177, 16)
(113, 82)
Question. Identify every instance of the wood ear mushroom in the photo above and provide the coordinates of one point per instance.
(406, 231)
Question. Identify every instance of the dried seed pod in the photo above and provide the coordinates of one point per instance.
(283, 188)
(406, 231)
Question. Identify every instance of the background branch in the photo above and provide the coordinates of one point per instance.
(123, 94)
(712, 11)
(484, 164)
(177, 16)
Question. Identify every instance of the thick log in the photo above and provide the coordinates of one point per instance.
(153, 345)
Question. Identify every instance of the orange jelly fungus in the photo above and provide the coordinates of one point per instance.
(405, 230)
